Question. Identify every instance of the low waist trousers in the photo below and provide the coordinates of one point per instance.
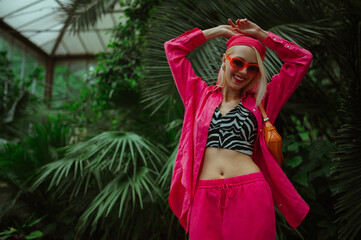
(236, 208)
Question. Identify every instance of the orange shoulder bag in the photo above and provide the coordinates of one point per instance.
(272, 138)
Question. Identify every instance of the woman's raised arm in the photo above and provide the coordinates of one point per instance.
(296, 63)
(177, 49)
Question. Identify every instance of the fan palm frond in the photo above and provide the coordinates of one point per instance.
(100, 159)
(346, 179)
(82, 14)
(119, 194)
(166, 173)
(176, 17)
(113, 170)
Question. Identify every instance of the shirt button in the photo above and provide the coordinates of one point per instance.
(288, 46)
(274, 38)
(254, 110)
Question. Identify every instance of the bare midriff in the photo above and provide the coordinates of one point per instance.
(225, 163)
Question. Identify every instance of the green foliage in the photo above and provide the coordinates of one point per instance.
(7, 84)
(23, 231)
(114, 181)
(84, 13)
(18, 107)
(10, 93)
(18, 164)
(305, 27)
(346, 172)
(119, 72)
(308, 166)
(68, 84)
(346, 179)
(309, 119)
(34, 81)
(115, 171)
(19, 161)
(114, 91)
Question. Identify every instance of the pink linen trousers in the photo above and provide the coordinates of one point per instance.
(201, 100)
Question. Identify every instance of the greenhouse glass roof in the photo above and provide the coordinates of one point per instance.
(44, 24)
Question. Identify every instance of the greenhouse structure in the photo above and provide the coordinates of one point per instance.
(37, 34)
(138, 119)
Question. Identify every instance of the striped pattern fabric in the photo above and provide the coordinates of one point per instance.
(237, 130)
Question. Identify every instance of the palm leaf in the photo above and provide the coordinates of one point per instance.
(123, 191)
(346, 174)
(166, 173)
(100, 158)
(176, 17)
(113, 170)
(82, 14)
(306, 23)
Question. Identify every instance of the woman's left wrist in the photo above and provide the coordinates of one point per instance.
(261, 34)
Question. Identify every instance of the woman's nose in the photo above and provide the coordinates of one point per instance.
(243, 71)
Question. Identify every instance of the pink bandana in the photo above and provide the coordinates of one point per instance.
(248, 41)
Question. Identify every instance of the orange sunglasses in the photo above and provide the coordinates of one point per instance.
(238, 64)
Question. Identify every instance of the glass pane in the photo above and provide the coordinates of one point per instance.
(4, 45)
(16, 61)
(69, 81)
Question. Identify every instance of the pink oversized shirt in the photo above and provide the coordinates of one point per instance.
(201, 100)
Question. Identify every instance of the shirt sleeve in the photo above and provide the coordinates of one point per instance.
(296, 63)
(177, 49)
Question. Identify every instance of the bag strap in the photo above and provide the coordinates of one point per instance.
(264, 114)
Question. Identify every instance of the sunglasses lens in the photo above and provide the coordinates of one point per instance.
(238, 63)
(253, 69)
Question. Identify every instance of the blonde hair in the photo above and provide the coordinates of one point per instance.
(260, 80)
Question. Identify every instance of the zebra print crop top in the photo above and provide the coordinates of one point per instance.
(237, 130)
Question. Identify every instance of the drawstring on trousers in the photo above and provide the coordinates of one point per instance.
(227, 191)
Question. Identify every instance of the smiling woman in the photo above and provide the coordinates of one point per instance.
(225, 181)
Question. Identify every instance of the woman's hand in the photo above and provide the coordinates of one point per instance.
(246, 27)
(221, 31)
(229, 31)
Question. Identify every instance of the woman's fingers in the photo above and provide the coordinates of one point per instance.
(231, 31)
(237, 30)
(242, 22)
(239, 24)
(231, 23)
(235, 27)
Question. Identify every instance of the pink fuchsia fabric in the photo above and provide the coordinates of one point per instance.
(200, 101)
(248, 41)
(233, 208)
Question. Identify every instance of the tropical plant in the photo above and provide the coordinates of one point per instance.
(84, 13)
(18, 164)
(115, 172)
(12, 98)
(19, 108)
(114, 90)
(115, 168)
(346, 179)
(23, 231)
(97, 178)
(304, 28)
(307, 125)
